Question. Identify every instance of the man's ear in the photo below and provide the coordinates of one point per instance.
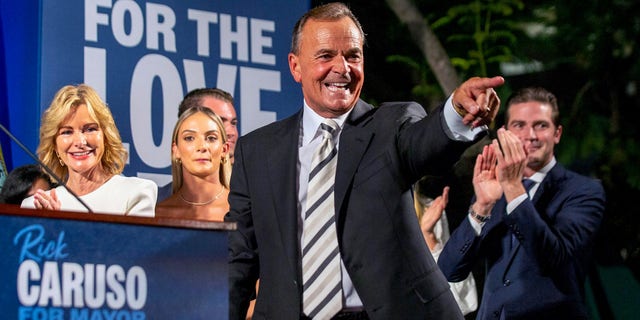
(294, 67)
(558, 134)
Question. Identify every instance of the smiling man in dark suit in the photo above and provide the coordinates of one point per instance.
(536, 234)
(374, 263)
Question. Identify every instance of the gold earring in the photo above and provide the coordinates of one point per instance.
(223, 160)
(60, 160)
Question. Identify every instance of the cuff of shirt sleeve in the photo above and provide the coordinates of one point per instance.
(477, 226)
(515, 203)
(457, 130)
(437, 250)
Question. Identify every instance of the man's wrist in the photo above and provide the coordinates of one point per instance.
(482, 218)
(460, 110)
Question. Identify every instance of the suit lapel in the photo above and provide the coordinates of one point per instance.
(541, 199)
(282, 161)
(548, 189)
(354, 141)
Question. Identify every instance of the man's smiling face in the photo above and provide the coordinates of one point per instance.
(329, 65)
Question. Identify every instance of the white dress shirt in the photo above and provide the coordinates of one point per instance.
(309, 141)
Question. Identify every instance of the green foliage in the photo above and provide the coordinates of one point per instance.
(585, 51)
(583, 142)
(487, 25)
(425, 88)
(589, 55)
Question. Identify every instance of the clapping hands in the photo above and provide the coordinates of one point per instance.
(499, 169)
(430, 215)
(511, 163)
(485, 184)
(44, 200)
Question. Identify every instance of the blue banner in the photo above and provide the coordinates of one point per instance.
(144, 56)
(68, 269)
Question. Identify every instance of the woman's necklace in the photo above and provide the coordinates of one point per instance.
(201, 203)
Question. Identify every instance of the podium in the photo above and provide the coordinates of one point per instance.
(68, 265)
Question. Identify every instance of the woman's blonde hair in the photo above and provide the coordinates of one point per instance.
(176, 165)
(64, 104)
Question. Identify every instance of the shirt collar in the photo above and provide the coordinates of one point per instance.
(540, 175)
(311, 121)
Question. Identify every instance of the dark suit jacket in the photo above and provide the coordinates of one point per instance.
(382, 152)
(540, 276)
(164, 192)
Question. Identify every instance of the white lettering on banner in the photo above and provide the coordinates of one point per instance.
(242, 39)
(160, 20)
(95, 69)
(115, 298)
(228, 37)
(258, 41)
(95, 282)
(202, 19)
(153, 66)
(95, 286)
(72, 293)
(92, 18)
(227, 75)
(136, 286)
(252, 82)
(195, 70)
(120, 11)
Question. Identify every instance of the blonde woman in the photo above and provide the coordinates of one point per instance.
(81, 144)
(200, 168)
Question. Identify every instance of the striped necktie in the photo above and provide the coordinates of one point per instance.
(321, 278)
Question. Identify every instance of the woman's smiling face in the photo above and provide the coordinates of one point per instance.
(80, 141)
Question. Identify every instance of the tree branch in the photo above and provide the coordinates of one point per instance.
(428, 43)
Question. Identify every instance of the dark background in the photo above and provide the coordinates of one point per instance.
(585, 52)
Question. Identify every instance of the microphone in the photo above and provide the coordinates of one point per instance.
(46, 168)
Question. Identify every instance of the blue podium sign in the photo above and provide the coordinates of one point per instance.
(60, 268)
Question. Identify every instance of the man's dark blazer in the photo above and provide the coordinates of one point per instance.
(382, 152)
(542, 274)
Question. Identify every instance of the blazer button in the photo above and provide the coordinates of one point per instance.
(506, 283)
(496, 314)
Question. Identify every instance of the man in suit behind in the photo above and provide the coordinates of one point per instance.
(384, 269)
(535, 234)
